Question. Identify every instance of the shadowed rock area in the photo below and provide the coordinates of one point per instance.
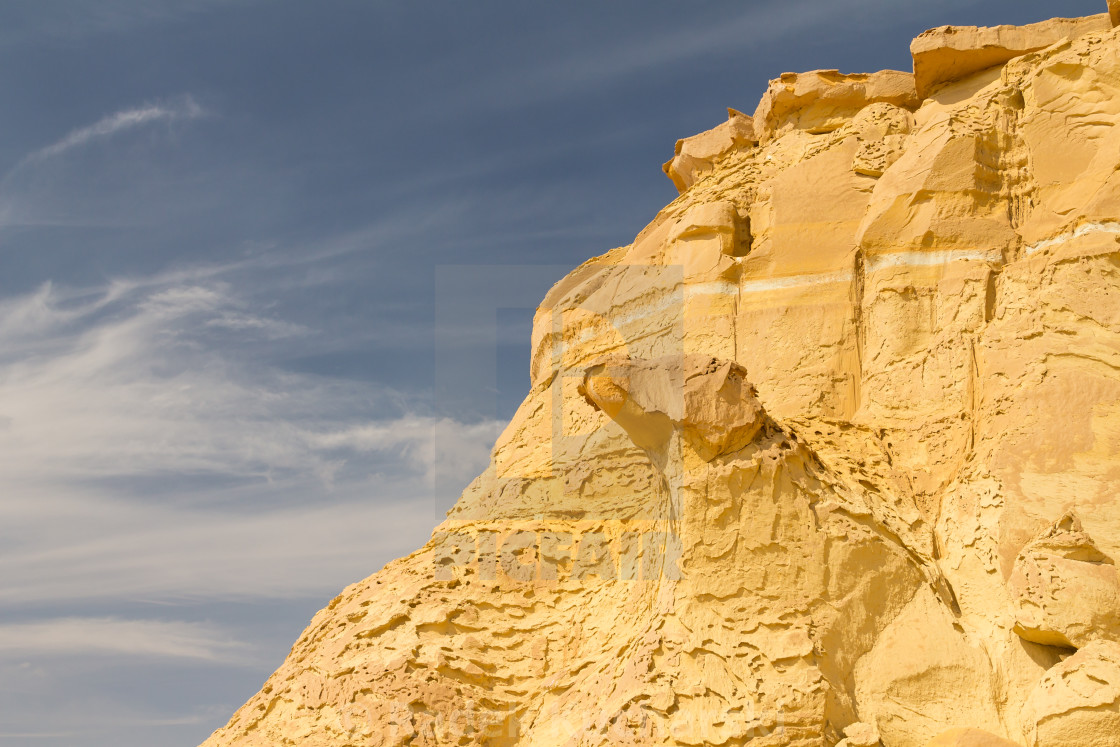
(826, 456)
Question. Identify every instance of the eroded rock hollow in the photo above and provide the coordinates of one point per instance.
(827, 455)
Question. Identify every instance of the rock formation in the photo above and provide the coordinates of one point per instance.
(827, 455)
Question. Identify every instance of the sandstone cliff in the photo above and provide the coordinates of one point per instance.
(827, 455)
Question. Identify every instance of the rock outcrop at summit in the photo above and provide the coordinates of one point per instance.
(952, 53)
(1066, 592)
(827, 456)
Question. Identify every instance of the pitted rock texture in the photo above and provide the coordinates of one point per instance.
(950, 53)
(696, 156)
(1077, 703)
(1066, 591)
(827, 455)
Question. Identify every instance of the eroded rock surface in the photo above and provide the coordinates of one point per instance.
(827, 455)
(1066, 591)
(825, 100)
(1077, 703)
(952, 53)
(698, 155)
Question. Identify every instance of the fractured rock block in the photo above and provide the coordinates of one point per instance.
(1066, 592)
(718, 219)
(883, 130)
(1114, 12)
(709, 399)
(860, 734)
(722, 411)
(824, 100)
(874, 157)
(694, 156)
(1077, 703)
(924, 675)
(952, 53)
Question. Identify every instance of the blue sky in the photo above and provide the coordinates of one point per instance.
(224, 224)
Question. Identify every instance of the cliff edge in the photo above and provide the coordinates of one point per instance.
(827, 455)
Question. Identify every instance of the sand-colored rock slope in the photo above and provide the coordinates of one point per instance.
(828, 455)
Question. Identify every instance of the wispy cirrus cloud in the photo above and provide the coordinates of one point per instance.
(91, 548)
(140, 380)
(182, 108)
(149, 456)
(50, 186)
(116, 637)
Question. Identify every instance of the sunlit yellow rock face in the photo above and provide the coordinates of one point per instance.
(828, 455)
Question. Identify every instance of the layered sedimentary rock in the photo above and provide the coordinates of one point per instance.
(827, 455)
(951, 53)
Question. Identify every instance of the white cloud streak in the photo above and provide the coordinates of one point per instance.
(145, 457)
(87, 547)
(134, 385)
(117, 637)
(184, 108)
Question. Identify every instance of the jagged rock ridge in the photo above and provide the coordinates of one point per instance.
(828, 455)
